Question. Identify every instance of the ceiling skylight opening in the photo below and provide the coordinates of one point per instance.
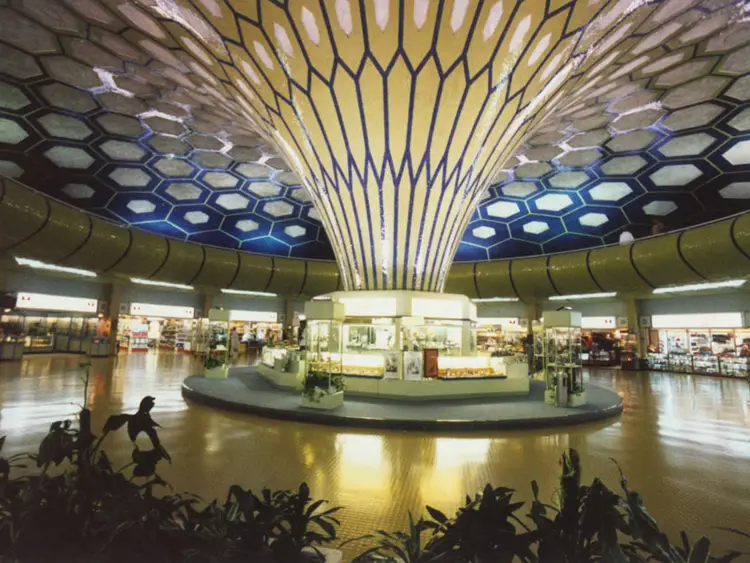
(495, 299)
(36, 264)
(700, 286)
(161, 284)
(244, 292)
(577, 296)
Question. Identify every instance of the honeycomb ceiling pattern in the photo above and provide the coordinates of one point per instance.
(587, 117)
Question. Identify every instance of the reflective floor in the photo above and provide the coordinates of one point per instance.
(683, 442)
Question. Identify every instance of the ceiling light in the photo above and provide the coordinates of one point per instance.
(161, 284)
(700, 286)
(494, 299)
(43, 266)
(582, 296)
(243, 292)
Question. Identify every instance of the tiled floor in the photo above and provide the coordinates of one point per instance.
(683, 442)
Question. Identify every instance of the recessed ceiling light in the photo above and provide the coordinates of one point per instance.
(243, 292)
(161, 283)
(52, 267)
(700, 286)
(583, 296)
(494, 299)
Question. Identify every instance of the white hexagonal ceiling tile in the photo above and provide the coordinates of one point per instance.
(196, 217)
(252, 170)
(503, 209)
(593, 219)
(535, 227)
(553, 202)
(623, 165)
(70, 157)
(232, 202)
(687, 145)
(78, 191)
(610, 191)
(264, 189)
(247, 225)
(518, 189)
(10, 169)
(141, 206)
(739, 153)
(278, 208)
(659, 208)
(220, 180)
(313, 214)
(570, 179)
(675, 175)
(483, 232)
(741, 121)
(184, 192)
(736, 190)
(11, 132)
(130, 177)
(64, 126)
(294, 231)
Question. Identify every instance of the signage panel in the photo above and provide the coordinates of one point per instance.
(166, 311)
(254, 316)
(43, 302)
(699, 320)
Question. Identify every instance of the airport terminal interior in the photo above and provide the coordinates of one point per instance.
(393, 249)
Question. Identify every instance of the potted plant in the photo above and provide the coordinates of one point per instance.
(577, 397)
(322, 390)
(215, 365)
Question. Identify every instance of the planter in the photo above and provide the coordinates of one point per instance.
(577, 399)
(221, 372)
(279, 364)
(328, 401)
(549, 397)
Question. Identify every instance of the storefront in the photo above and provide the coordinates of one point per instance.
(53, 323)
(607, 341)
(709, 344)
(163, 327)
(255, 328)
(501, 336)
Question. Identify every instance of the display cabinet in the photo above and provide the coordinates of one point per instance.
(446, 338)
(562, 358)
(706, 364)
(681, 363)
(657, 361)
(324, 346)
(216, 363)
(734, 367)
(11, 347)
(368, 338)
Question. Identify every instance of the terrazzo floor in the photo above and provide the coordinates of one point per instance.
(683, 442)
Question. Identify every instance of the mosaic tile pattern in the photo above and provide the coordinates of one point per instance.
(586, 118)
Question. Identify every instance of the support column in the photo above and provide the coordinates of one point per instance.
(641, 341)
(208, 304)
(288, 320)
(114, 298)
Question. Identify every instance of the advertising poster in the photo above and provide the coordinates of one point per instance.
(413, 366)
(431, 363)
(392, 365)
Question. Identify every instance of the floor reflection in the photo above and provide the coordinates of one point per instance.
(683, 442)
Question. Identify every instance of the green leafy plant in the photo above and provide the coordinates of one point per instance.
(318, 384)
(392, 547)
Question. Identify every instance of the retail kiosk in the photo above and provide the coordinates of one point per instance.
(148, 325)
(501, 336)
(707, 344)
(398, 345)
(606, 341)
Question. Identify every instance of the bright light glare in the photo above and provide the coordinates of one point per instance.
(700, 286)
(582, 296)
(494, 299)
(160, 283)
(243, 292)
(44, 266)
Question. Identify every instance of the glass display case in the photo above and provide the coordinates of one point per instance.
(657, 361)
(734, 367)
(216, 362)
(369, 338)
(680, 362)
(562, 358)
(324, 346)
(706, 364)
(440, 335)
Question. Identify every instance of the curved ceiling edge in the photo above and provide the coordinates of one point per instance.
(708, 252)
(24, 214)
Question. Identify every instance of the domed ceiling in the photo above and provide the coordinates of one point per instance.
(204, 120)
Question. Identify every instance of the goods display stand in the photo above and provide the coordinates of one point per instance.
(562, 359)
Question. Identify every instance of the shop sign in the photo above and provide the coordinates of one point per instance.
(43, 302)
(599, 322)
(437, 308)
(254, 316)
(699, 320)
(373, 307)
(165, 311)
(499, 321)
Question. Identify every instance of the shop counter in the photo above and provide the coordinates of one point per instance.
(11, 349)
(98, 347)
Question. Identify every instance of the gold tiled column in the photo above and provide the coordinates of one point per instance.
(114, 298)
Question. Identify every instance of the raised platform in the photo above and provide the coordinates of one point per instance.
(246, 391)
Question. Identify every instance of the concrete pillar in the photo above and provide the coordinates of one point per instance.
(114, 298)
(634, 315)
(288, 320)
(208, 303)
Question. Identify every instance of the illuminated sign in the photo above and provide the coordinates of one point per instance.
(43, 302)
(372, 307)
(498, 321)
(699, 320)
(437, 308)
(599, 322)
(254, 316)
(166, 311)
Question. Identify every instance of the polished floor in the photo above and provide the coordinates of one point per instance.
(683, 442)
